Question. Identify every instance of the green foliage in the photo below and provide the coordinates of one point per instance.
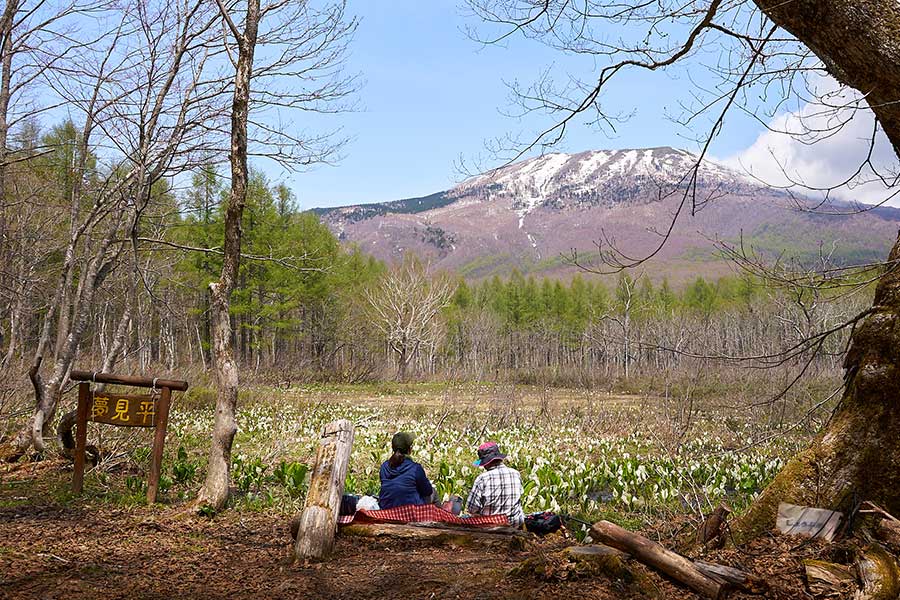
(292, 475)
(248, 473)
(299, 283)
(136, 486)
(522, 303)
(183, 470)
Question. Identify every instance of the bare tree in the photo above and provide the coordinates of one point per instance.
(308, 48)
(405, 305)
(144, 109)
(33, 40)
(781, 50)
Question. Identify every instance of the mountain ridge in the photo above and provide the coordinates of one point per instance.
(529, 213)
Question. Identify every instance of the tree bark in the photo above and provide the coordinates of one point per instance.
(215, 489)
(858, 452)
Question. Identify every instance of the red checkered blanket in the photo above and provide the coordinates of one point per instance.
(421, 513)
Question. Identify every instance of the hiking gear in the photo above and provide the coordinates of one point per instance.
(498, 491)
(542, 523)
(454, 504)
(348, 504)
(488, 452)
(404, 484)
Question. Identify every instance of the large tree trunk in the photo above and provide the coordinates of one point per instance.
(858, 452)
(857, 455)
(215, 489)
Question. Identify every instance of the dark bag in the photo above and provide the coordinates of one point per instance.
(542, 523)
(348, 504)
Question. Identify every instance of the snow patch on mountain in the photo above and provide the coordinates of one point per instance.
(536, 181)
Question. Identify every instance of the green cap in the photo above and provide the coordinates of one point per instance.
(402, 442)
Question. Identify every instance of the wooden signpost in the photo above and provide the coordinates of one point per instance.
(124, 410)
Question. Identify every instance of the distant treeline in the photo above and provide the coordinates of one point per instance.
(307, 307)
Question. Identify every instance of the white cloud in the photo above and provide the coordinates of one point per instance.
(821, 146)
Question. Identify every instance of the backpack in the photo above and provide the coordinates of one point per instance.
(348, 504)
(542, 523)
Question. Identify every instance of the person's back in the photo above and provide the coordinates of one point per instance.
(498, 491)
(403, 480)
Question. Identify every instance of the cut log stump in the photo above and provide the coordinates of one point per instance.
(829, 580)
(318, 521)
(880, 576)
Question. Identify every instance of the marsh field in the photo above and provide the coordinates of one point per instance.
(650, 462)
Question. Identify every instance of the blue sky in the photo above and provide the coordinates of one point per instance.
(432, 95)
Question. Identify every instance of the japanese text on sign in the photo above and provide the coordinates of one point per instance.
(124, 410)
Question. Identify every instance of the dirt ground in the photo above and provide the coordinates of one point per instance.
(76, 549)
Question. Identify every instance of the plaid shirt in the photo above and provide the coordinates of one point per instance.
(498, 491)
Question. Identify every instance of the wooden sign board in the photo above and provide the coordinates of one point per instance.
(124, 410)
(806, 521)
(128, 410)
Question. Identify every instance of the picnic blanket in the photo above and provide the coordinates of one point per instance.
(420, 513)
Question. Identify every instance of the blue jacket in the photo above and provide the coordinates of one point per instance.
(407, 484)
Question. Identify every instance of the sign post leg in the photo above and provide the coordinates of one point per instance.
(159, 440)
(84, 399)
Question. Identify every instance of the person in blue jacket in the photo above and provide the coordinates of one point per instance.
(403, 481)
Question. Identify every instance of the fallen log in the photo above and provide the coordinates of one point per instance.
(440, 534)
(722, 574)
(650, 553)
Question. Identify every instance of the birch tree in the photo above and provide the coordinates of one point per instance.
(150, 110)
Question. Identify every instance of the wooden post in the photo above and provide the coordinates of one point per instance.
(84, 400)
(159, 440)
(318, 521)
(650, 553)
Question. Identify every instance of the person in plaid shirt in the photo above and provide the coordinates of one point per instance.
(497, 491)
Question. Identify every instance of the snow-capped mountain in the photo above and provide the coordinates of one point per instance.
(531, 213)
(600, 177)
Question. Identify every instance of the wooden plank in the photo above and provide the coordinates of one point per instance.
(318, 521)
(123, 410)
(84, 395)
(652, 554)
(159, 440)
(145, 382)
(807, 521)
